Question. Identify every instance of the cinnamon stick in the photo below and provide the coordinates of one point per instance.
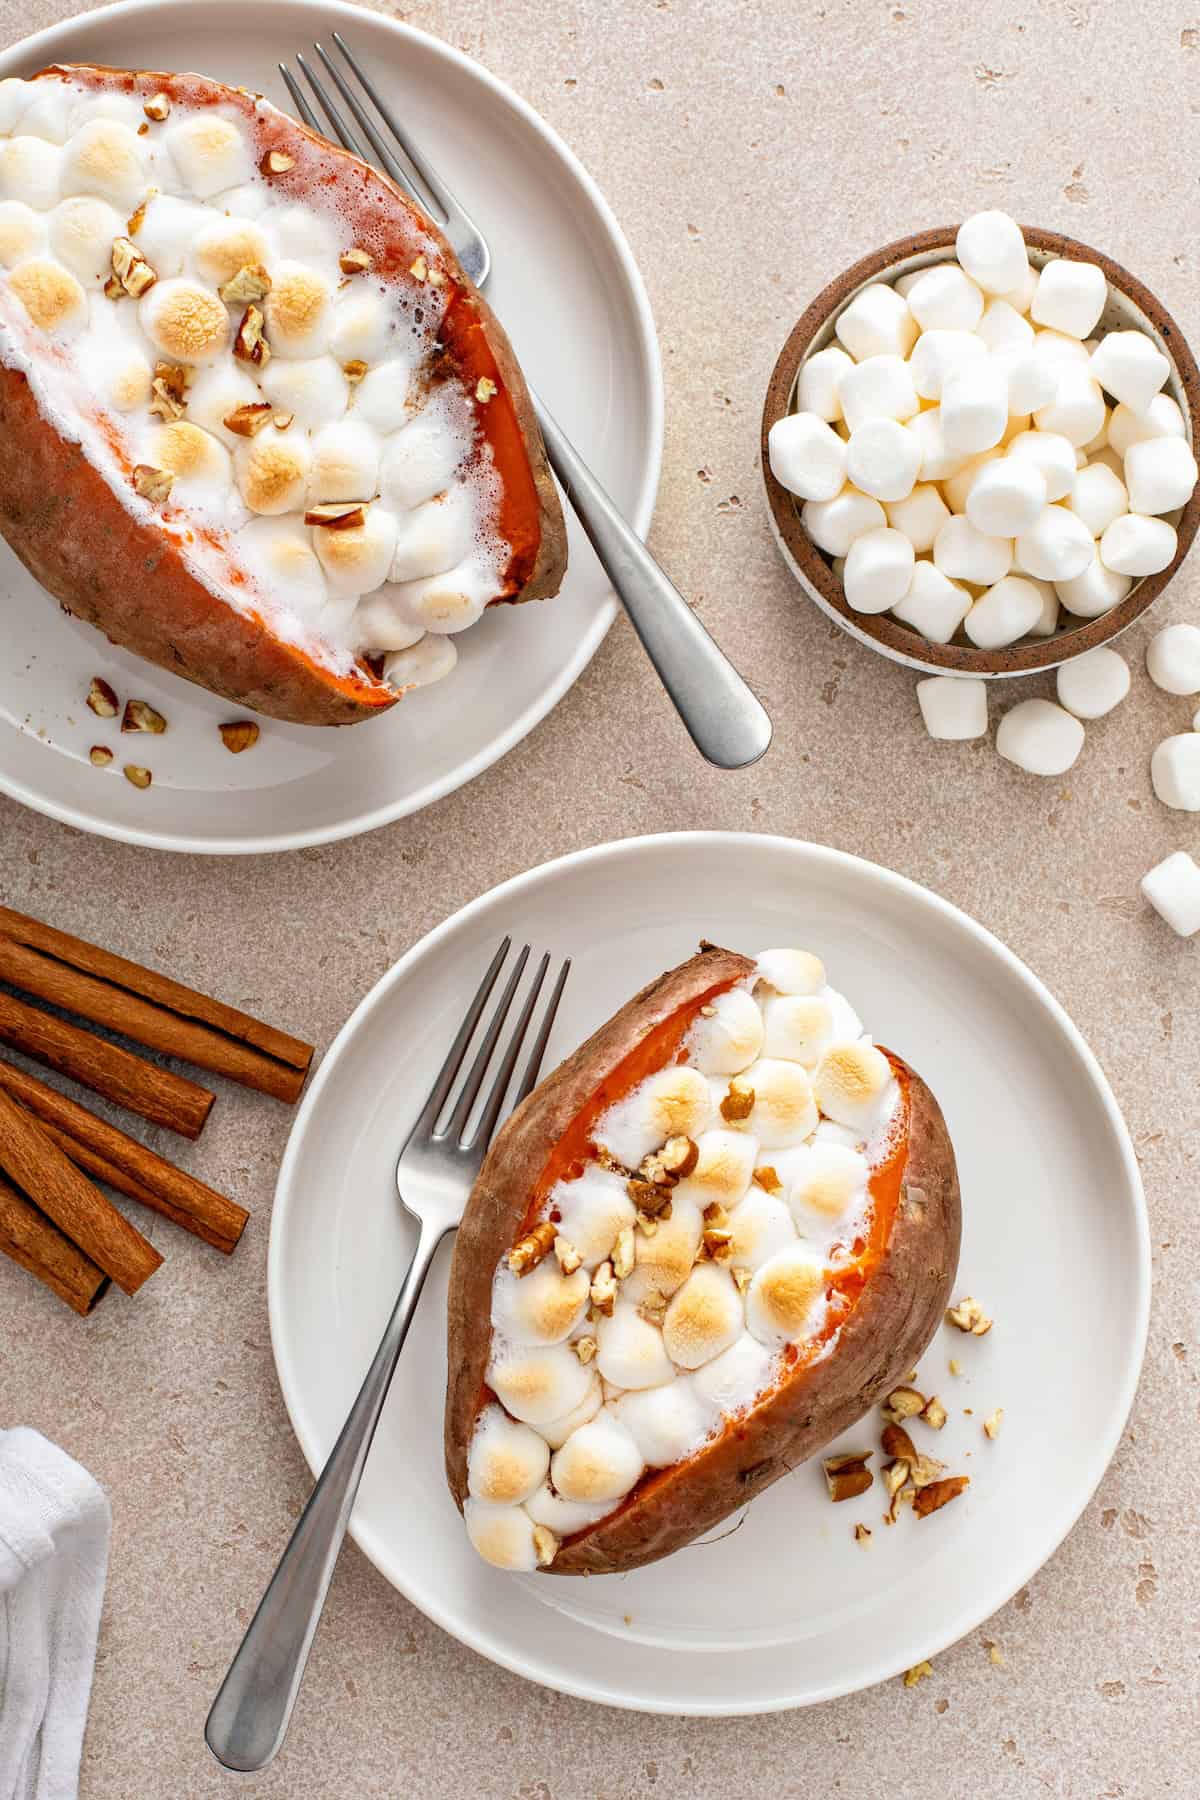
(109, 1155)
(37, 1166)
(29, 1238)
(157, 1094)
(149, 1008)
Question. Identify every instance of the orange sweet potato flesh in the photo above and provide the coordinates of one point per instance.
(131, 581)
(884, 1309)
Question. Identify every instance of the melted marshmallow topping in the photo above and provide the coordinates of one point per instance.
(633, 1342)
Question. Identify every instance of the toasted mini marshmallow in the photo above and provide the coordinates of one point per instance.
(592, 1210)
(211, 153)
(201, 466)
(82, 230)
(357, 559)
(790, 971)
(227, 245)
(22, 232)
(783, 1111)
(824, 1182)
(666, 1423)
(724, 1167)
(726, 1034)
(673, 1102)
(106, 158)
(299, 311)
(447, 603)
(782, 1298)
(630, 1350)
(30, 171)
(537, 1383)
(313, 390)
(185, 321)
(562, 1517)
(664, 1261)
(431, 659)
(434, 538)
(362, 325)
(215, 394)
(119, 375)
(272, 475)
(557, 1431)
(735, 1379)
(762, 1224)
(279, 552)
(345, 463)
(704, 1318)
(507, 1461)
(503, 1535)
(598, 1462)
(797, 1028)
(419, 462)
(543, 1307)
(50, 295)
(381, 624)
(851, 1085)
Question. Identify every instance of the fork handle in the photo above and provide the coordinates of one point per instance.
(728, 725)
(249, 1717)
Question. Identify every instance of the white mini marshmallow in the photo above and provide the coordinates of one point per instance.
(879, 569)
(313, 389)
(1175, 771)
(279, 552)
(430, 659)
(345, 466)
(965, 554)
(22, 232)
(834, 524)
(953, 707)
(1007, 498)
(1162, 418)
(444, 604)
(630, 1350)
(1100, 441)
(733, 1380)
(991, 249)
(851, 1083)
(1077, 410)
(1056, 546)
(673, 1102)
(936, 351)
(1003, 328)
(82, 230)
(1047, 624)
(1091, 685)
(556, 1431)
(380, 624)
(1020, 298)
(807, 457)
(974, 405)
(169, 230)
(562, 1517)
(506, 1461)
(1070, 296)
(1160, 474)
(1039, 737)
(384, 397)
(1032, 377)
(1053, 455)
(784, 1295)
(724, 1170)
(1005, 613)
(957, 486)
(920, 516)
(1173, 889)
(1094, 592)
(791, 971)
(435, 537)
(1058, 348)
(934, 605)
(880, 388)
(877, 322)
(727, 1035)
(761, 1225)
(418, 463)
(210, 152)
(1136, 545)
(536, 1384)
(362, 326)
(1098, 496)
(598, 1462)
(502, 1535)
(937, 462)
(883, 459)
(1130, 367)
(1173, 659)
(666, 1423)
(542, 1307)
(904, 284)
(797, 1027)
(819, 383)
(704, 1318)
(945, 299)
(593, 1210)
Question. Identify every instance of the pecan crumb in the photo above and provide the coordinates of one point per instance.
(969, 1316)
(742, 1279)
(248, 419)
(354, 370)
(646, 1223)
(139, 715)
(623, 1253)
(157, 108)
(766, 1178)
(991, 1425)
(566, 1255)
(168, 391)
(238, 735)
(862, 1534)
(585, 1348)
(131, 269)
(530, 1250)
(903, 1403)
(604, 1289)
(276, 162)
(354, 262)
(485, 389)
(545, 1545)
(420, 270)
(250, 345)
(151, 483)
(933, 1413)
(847, 1474)
(140, 777)
(337, 515)
(931, 1499)
(101, 755)
(738, 1102)
(917, 1674)
(102, 698)
(955, 1366)
(283, 421)
(896, 1443)
(250, 283)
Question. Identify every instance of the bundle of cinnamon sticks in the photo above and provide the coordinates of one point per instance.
(54, 1220)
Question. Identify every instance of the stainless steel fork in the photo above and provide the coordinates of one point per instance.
(436, 1168)
(726, 721)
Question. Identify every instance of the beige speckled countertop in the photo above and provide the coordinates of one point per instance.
(750, 151)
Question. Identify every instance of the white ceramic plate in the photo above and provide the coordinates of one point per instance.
(566, 287)
(1055, 1246)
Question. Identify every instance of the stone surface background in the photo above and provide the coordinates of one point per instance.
(750, 151)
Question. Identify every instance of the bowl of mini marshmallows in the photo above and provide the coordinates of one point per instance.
(978, 449)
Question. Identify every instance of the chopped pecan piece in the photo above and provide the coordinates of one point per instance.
(420, 270)
(991, 1425)
(624, 1254)
(276, 162)
(248, 419)
(131, 268)
(847, 1474)
(738, 1102)
(766, 1178)
(250, 345)
(337, 515)
(931, 1499)
(135, 773)
(897, 1444)
(903, 1403)
(585, 1348)
(485, 389)
(354, 262)
(530, 1250)
(566, 1255)
(354, 370)
(102, 698)
(157, 108)
(250, 283)
(933, 1413)
(969, 1316)
(101, 755)
(238, 735)
(917, 1673)
(139, 715)
(151, 483)
(862, 1534)
(545, 1545)
(604, 1289)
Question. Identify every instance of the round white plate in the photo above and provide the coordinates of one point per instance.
(567, 289)
(1055, 1246)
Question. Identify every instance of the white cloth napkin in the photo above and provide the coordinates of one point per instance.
(54, 1528)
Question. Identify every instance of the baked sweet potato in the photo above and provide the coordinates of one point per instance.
(702, 1248)
(259, 426)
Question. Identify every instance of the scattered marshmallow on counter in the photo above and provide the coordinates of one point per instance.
(1173, 889)
(1006, 442)
(1041, 738)
(1175, 771)
(953, 706)
(1091, 685)
(1173, 659)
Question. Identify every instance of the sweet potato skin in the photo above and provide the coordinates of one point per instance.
(129, 580)
(889, 1327)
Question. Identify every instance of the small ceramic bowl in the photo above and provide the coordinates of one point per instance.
(1130, 306)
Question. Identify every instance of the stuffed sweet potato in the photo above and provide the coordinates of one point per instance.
(259, 426)
(702, 1248)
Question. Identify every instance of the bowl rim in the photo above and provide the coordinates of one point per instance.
(879, 630)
